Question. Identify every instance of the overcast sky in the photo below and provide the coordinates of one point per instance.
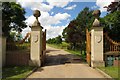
(56, 14)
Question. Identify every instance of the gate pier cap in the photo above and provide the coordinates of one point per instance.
(36, 14)
(96, 22)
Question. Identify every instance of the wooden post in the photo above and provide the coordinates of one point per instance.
(88, 49)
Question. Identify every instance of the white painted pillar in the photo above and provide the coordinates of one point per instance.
(36, 42)
(97, 47)
(97, 42)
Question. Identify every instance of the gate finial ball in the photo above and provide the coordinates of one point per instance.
(96, 13)
(37, 13)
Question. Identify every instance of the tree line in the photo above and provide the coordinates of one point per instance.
(56, 40)
(75, 32)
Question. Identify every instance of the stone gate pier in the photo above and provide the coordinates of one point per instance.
(97, 42)
(36, 41)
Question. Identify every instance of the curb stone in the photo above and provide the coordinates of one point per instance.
(34, 69)
(104, 74)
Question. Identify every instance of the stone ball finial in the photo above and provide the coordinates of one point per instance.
(96, 22)
(37, 13)
(96, 13)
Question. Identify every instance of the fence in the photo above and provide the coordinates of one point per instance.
(110, 45)
(111, 51)
(17, 58)
(17, 54)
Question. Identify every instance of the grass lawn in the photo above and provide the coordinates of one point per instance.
(112, 71)
(59, 46)
(64, 47)
(23, 46)
(16, 73)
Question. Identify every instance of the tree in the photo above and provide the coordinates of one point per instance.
(114, 6)
(58, 40)
(85, 19)
(75, 32)
(112, 26)
(72, 35)
(12, 35)
(12, 17)
(112, 20)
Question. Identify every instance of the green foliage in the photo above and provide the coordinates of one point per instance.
(16, 73)
(12, 17)
(85, 19)
(56, 40)
(114, 29)
(12, 35)
(64, 46)
(112, 71)
(75, 32)
(24, 46)
(114, 6)
(15, 46)
(51, 41)
(112, 21)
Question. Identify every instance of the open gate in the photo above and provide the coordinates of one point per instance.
(111, 50)
(88, 47)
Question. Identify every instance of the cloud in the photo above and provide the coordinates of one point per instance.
(54, 31)
(35, 5)
(102, 3)
(61, 16)
(70, 7)
(52, 13)
(40, 5)
(47, 20)
(59, 3)
(94, 7)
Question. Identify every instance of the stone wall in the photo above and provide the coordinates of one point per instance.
(116, 63)
(3, 51)
(17, 59)
(0, 57)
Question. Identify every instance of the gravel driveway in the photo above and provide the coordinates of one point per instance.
(62, 64)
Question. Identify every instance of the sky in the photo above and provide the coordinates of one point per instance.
(56, 14)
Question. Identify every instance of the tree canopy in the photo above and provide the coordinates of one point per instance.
(75, 32)
(114, 6)
(56, 40)
(112, 25)
(112, 20)
(12, 17)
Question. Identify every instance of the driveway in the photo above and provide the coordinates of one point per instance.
(62, 64)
